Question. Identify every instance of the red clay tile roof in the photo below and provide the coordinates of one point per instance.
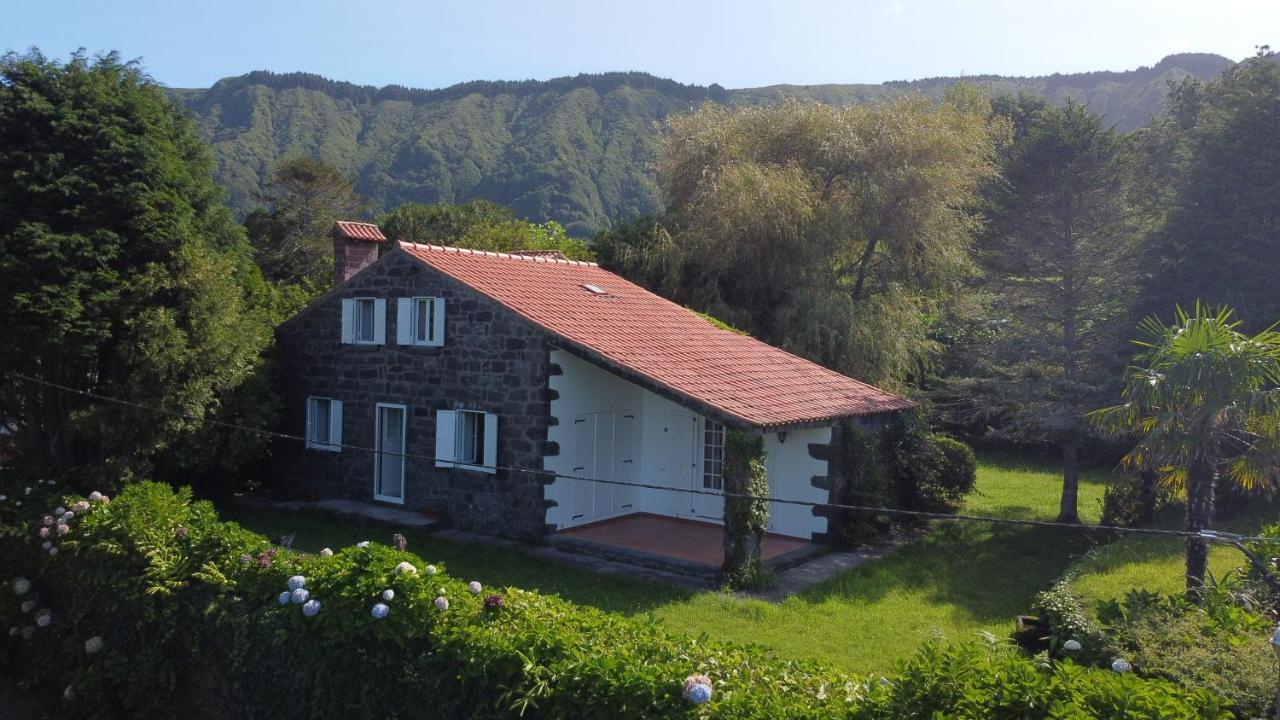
(635, 332)
(359, 231)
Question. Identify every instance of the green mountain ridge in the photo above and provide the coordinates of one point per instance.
(578, 150)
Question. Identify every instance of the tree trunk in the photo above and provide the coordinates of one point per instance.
(1202, 477)
(1068, 511)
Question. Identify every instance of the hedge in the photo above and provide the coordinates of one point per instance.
(152, 607)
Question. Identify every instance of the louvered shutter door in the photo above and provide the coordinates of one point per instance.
(437, 338)
(446, 434)
(380, 321)
(348, 321)
(404, 321)
(335, 425)
(490, 443)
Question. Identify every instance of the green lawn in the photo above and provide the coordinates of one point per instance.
(1155, 563)
(961, 579)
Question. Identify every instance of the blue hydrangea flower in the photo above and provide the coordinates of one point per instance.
(310, 608)
(380, 611)
(285, 597)
(296, 582)
(700, 694)
(300, 596)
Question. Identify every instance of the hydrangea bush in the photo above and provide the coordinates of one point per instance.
(191, 621)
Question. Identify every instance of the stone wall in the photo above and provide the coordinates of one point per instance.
(492, 361)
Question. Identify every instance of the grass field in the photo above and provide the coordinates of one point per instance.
(961, 579)
(1156, 563)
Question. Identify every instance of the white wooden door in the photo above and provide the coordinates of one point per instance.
(624, 462)
(584, 466)
(604, 464)
(682, 464)
(388, 460)
(709, 453)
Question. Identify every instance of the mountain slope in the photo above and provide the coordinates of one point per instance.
(577, 150)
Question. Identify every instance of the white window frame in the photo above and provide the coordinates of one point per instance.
(350, 315)
(332, 443)
(713, 434)
(450, 431)
(407, 310)
(377, 456)
(372, 304)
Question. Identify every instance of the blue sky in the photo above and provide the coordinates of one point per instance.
(192, 43)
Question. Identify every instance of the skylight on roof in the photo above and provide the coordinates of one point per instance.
(594, 289)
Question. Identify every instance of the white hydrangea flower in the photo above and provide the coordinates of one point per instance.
(285, 597)
(3, 498)
(296, 582)
(63, 529)
(475, 587)
(46, 545)
(326, 553)
(310, 608)
(440, 592)
(388, 594)
(21, 586)
(300, 596)
(1071, 645)
(431, 570)
(442, 603)
(362, 544)
(380, 611)
(59, 510)
(68, 515)
(1121, 665)
(406, 567)
(95, 496)
(93, 645)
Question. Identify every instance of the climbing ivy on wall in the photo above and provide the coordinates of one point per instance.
(746, 518)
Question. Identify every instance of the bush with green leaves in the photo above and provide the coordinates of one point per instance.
(153, 606)
(930, 471)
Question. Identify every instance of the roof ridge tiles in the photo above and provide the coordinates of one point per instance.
(502, 255)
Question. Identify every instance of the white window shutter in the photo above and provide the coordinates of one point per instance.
(437, 338)
(348, 321)
(490, 443)
(380, 321)
(446, 437)
(404, 321)
(311, 411)
(335, 425)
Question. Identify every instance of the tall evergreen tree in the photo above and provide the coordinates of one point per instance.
(123, 272)
(1220, 243)
(1060, 231)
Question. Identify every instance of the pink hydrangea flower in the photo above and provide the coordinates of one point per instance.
(63, 529)
(47, 520)
(43, 532)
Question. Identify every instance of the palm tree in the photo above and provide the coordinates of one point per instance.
(1203, 400)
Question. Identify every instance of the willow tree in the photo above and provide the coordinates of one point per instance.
(832, 231)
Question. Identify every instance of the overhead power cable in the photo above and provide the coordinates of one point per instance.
(1210, 535)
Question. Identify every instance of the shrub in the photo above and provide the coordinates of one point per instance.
(929, 471)
(1063, 613)
(1217, 645)
(1132, 501)
(865, 483)
(186, 610)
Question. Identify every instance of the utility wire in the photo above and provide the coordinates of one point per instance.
(1212, 535)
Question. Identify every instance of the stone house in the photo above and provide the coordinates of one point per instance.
(484, 387)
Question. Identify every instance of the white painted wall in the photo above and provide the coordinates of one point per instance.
(585, 388)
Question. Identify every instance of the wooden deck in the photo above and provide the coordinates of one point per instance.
(700, 543)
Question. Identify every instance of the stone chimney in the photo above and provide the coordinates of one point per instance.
(355, 247)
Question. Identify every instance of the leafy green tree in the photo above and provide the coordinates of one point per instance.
(1221, 240)
(1204, 400)
(479, 225)
(123, 272)
(830, 231)
(291, 240)
(1057, 258)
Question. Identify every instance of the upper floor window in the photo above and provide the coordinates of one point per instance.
(713, 456)
(420, 321)
(364, 321)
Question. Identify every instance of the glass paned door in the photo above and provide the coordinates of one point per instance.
(388, 469)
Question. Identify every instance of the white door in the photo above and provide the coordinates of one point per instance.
(682, 463)
(624, 463)
(710, 472)
(388, 458)
(584, 466)
(604, 465)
